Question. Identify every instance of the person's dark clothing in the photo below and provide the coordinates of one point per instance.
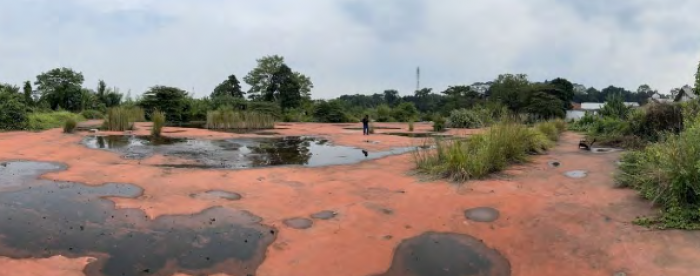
(365, 126)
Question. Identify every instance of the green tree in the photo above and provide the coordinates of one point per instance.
(13, 111)
(423, 92)
(61, 87)
(459, 96)
(28, 93)
(231, 87)
(615, 107)
(260, 78)
(108, 97)
(285, 89)
(391, 97)
(384, 113)
(542, 100)
(330, 112)
(510, 90)
(171, 100)
(564, 91)
(405, 112)
(697, 81)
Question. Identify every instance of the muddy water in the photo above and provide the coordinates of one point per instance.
(239, 153)
(443, 254)
(42, 218)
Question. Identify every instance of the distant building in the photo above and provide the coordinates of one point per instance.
(657, 98)
(580, 109)
(685, 94)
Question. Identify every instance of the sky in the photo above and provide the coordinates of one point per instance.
(353, 46)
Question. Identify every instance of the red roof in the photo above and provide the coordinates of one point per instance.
(577, 106)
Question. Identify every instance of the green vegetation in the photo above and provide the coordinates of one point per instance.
(57, 119)
(13, 112)
(230, 119)
(503, 144)
(92, 114)
(119, 119)
(70, 125)
(477, 117)
(158, 123)
(410, 126)
(667, 174)
(439, 123)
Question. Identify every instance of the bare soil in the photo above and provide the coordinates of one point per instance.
(547, 224)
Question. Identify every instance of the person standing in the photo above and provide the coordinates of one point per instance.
(365, 125)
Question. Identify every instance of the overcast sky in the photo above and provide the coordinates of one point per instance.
(353, 46)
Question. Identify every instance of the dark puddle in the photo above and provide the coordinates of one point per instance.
(418, 135)
(576, 174)
(444, 254)
(239, 153)
(324, 215)
(359, 128)
(42, 218)
(482, 214)
(554, 164)
(605, 150)
(215, 194)
(298, 223)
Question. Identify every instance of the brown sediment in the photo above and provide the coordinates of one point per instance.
(549, 224)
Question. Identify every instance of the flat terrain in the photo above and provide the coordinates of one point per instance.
(379, 219)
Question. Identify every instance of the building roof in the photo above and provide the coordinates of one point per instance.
(686, 91)
(592, 106)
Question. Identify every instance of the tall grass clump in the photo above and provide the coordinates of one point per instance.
(69, 125)
(503, 144)
(119, 119)
(410, 125)
(230, 119)
(92, 114)
(47, 120)
(439, 123)
(158, 123)
(136, 114)
(668, 174)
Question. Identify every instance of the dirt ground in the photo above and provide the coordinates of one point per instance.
(550, 224)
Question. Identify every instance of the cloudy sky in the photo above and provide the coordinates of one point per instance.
(353, 46)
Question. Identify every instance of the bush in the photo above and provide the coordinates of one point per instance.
(438, 123)
(69, 125)
(13, 112)
(92, 114)
(549, 129)
(330, 112)
(404, 112)
(503, 144)
(42, 121)
(230, 119)
(667, 173)
(477, 117)
(158, 123)
(120, 118)
(267, 108)
(384, 114)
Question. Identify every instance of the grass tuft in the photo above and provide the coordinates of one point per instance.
(119, 119)
(230, 119)
(69, 125)
(158, 123)
(48, 120)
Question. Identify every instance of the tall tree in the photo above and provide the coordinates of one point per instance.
(510, 89)
(260, 78)
(61, 87)
(564, 91)
(284, 88)
(391, 97)
(697, 81)
(171, 100)
(423, 92)
(231, 87)
(28, 93)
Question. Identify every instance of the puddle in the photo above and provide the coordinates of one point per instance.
(42, 218)
(215, 194)
(444, 254)
(418, 135)
(239, 153)
(605, 150)
(576, 174)
(554, 164)
(482, 214)
(298, 223)
(324, 215)
(377, 127)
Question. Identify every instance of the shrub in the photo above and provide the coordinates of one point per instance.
(477, 117)
(13, 112)
(158, 123)
(42, 121)
(503, 144)
(404, 112)
(267, 108)
(69, 125)
(549, 129)
(384, 114)
(120, 118)
(330, 112)
(410, 126)
(92, 114)
(438, 123)
(230, 119)
(136, 114)
(667, 173)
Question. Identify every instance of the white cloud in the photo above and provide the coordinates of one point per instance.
(196, 44)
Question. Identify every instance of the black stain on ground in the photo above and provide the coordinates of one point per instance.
(43, 218)
(445, 254)
(216, 194)
(482, 214)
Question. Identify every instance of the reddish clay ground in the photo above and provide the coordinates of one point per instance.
(549, 225)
